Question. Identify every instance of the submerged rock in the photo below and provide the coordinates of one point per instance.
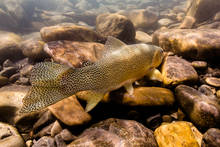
(45, 141)
(190, 43)
(68, 31)
(141, 18)
(9, 136)
(70, 112)
(181, 134)
(9, 46)
(211, 138)
(213, 81)
(176, 71)
(203, 10)
(117, 133)
(204, 111)
(142, 37)
(11, 101)
(3, 80)
(74, 53)
(33, 46)
(116, 25)
(149, 96)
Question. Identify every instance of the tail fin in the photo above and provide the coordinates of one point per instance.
(40, 97)
(46, 88)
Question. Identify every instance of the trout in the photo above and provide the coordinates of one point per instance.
(120, 65)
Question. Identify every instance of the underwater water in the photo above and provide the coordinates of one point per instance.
(109, 73)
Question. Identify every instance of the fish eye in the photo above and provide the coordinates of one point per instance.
(161, 51)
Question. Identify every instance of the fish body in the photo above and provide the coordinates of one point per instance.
(120, 65)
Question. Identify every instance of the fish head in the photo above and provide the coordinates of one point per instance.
(153, 54)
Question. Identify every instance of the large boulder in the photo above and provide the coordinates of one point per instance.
(203, 10)
(203, 110)
(190, 43)
(69, 31)
(116, 25)
(74, 53)
(117, 133)
(9, 46)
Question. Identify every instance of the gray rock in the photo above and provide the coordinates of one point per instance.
(211, 138)
(203, 111)
(213, 81)
(9, 136)
(199, 64)
(45, 142)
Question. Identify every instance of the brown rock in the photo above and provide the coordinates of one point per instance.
(141, 18)
(33, 47)
(142, 37)
(203, 10)
(204, 111)
(211, 138)
(187, 23)
(213, 81)
(11, 101)
(149, 96)
(9, 136)
(218, 93)
(69, 32)
(74, 53)
(199, 64)
(9, 46)
(3, 80)
(181, 134)
(70, 112)
(176, 70)
(217, 17)
(117, 133)
(116, 25)
(190, 43)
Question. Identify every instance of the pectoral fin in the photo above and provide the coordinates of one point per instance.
(93, 98)
(129, 88)
(155, 74)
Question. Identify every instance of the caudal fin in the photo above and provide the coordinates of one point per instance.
(46, 86)
(40, 97)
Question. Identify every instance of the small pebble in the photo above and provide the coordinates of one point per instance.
(213, 81)
(167, 118)
(29, 143)
(3, 80)
(8, 63)
(199, 64)
(218, 93)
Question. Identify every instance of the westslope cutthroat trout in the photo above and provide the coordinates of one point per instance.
(120, 65)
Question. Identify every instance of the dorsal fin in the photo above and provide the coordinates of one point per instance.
(112, 44)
